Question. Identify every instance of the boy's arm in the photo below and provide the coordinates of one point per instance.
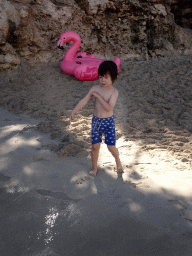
(108, 106)
(82, 103)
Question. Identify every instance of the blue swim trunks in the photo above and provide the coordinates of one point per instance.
(106, 126)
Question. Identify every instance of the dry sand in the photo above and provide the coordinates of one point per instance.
(153, 113)
(154, 107)
(153, 122)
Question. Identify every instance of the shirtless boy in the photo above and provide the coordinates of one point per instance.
(103, 120)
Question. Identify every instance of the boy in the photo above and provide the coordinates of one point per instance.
(103, 120)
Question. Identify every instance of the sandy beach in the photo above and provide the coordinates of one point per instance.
(45, 161)
(153, 108)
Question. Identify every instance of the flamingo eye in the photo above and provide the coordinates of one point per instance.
(63, 38)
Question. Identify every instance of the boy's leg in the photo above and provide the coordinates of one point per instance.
(94, 156)
(114, 151)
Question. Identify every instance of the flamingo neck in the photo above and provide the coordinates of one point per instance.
(70, 54)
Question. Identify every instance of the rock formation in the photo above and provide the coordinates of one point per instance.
(141, 29)
(182, 10)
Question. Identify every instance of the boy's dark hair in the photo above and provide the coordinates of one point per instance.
(108, 67)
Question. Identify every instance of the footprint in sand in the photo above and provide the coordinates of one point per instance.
(135, 184)
(81, 180)
(139, 184)
(183, 211)
(37, 159)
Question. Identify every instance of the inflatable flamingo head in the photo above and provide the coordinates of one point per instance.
(67, 37)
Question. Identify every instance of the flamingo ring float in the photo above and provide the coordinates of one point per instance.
(84, 67)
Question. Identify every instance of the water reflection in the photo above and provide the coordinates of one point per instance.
(50, 220)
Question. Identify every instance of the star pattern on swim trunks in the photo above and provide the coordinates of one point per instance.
(106, 126)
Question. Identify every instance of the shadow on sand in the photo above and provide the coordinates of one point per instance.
(45, 210)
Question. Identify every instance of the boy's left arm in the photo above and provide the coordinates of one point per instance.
(108, 106)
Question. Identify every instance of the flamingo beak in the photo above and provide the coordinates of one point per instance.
(59, 44)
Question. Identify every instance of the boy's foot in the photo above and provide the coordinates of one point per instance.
(120, 170)
(93, 173)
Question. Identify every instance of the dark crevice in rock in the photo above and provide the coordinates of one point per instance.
(33, 2)
(60, 3)
(11, 37)
(83, 4)
(151, 34)
(182, 11)
(98, 34)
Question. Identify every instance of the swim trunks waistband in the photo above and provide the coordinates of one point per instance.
(103, 117)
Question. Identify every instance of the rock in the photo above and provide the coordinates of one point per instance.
(183, 39)
(8, 57)
(94, 5)
(182, 11)
(4, 26)
(25, 52)
(9, 22)
(129, 29)
(160, 9)
(40, 57)
(23, 1)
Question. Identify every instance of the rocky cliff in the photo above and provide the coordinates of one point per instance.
(141, 29)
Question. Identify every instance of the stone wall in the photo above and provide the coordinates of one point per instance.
(139, 29)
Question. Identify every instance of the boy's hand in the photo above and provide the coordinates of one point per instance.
(72, 117)
(91, 93)
(95, 94)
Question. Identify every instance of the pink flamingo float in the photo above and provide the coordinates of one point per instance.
(84, 67)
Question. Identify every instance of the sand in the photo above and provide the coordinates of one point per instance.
(153, 124)
(153, 109)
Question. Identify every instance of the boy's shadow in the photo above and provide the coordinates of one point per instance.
(120, 175)
(102, 170)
